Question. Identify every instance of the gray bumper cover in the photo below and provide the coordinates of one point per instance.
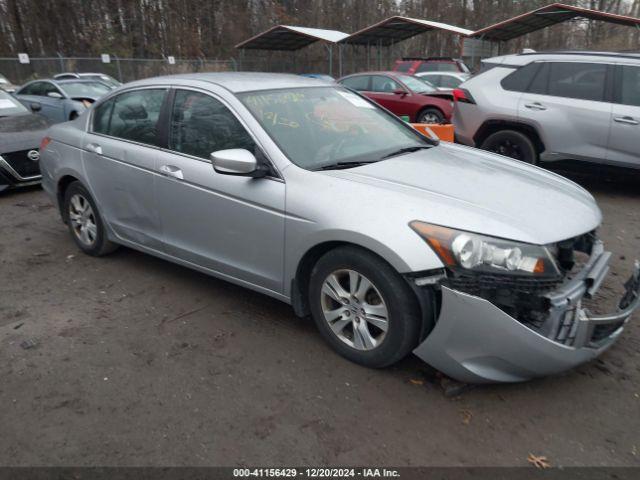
(476, 342)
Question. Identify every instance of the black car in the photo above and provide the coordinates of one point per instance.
(20, 135)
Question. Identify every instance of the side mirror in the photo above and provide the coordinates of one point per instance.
(399, 92)
(237, 161)
(35, 107)
(54, 95)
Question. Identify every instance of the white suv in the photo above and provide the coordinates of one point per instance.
(554, 106)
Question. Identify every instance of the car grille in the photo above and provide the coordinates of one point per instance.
(21, 163)
(477, 284)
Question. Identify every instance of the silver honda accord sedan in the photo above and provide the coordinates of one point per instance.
(307, 192)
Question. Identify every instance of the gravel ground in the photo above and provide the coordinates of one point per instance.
(140, 362)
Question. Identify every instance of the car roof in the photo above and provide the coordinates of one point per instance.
(525, 58)
(238, 82)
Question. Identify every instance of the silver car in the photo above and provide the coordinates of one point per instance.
(314, 195)
(444, 81)
(554, 106)
(60, 100)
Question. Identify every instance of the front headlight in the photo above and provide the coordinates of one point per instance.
(471, 251)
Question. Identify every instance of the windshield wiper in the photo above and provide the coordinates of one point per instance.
(343, 165)
(404, 150)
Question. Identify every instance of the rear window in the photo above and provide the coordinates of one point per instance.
(438, 67)
(403, 66)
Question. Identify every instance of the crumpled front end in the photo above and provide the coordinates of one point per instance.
(499, 329)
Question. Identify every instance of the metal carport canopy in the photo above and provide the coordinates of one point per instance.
(396, 29)
(545, 17)
(286, 37)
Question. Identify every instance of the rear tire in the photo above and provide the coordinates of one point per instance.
(513, 144)
(363, 308)
(431, 115)
(84, 221)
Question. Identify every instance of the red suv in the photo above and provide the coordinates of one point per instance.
(413, 65)
(403, 95)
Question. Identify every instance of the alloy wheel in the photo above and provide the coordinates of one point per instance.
(354, 309)
(83, 220)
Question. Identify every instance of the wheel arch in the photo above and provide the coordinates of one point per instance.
(61, 188)
(300, 282)
(430, 106)
(490, 127)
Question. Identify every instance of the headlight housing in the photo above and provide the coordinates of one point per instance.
(470, 251)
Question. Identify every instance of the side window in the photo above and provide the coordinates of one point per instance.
(540, 83)
(32, 89)
(359, 83)
(583, 81)
(200, 125)
(450, 82)
(520, 80)
(135, 116)
(435, 80)
(630, 86)
(102, 117)
(384, 84)
(48, 88)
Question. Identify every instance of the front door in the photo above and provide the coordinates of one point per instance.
(120, 157)
(624, 142)
(386, 91)
(231, 225)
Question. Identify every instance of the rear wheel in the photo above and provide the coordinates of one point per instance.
(73, 116)
(363, 308)
(431, 115)
(513, 144)
(84, 222)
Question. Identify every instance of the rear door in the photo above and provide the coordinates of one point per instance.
(624, 142)
(120, 158)
(568, 104)
(232, 225)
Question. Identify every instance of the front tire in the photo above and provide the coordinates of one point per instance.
(84, 221)
(363, 308)
(513, 144)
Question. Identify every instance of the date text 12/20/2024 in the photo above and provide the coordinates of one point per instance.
(315, 473)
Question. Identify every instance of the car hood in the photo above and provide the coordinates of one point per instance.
(476, 191)
(21, 132)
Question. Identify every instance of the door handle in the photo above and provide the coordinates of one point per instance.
(172, 171)
(535, 106)
(95, 148)
(627, 120)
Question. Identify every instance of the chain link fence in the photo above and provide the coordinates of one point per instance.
(123, 69)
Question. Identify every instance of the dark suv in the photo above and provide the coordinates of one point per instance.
(413, 65)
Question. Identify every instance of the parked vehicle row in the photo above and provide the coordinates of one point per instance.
(473, 261)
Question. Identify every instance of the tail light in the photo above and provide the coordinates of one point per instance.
(463, 96)
(43, 144)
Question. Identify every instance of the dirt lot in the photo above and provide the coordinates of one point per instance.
(141, 362)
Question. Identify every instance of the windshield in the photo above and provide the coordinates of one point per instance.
(418, 85)
(322, 126)
(10, 106)
(85, 89)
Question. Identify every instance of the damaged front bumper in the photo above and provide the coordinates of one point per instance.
(474, 341)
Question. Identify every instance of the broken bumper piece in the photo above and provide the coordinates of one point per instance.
(476, 342)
